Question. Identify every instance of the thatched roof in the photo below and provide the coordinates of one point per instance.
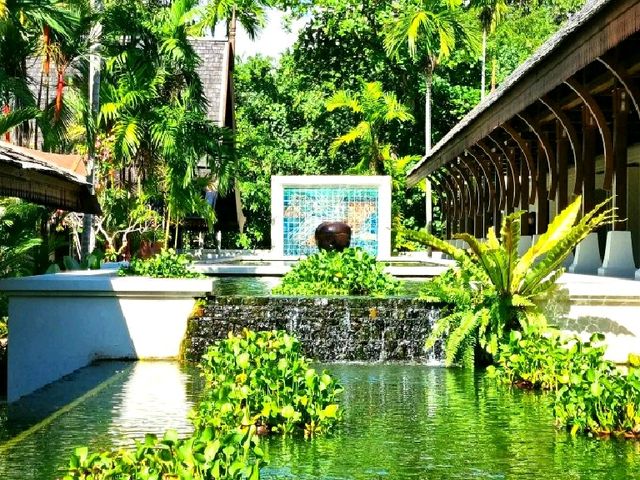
(49, 179)
(510, 98)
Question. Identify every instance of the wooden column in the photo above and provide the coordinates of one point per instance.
(589, 135)
(562, 157)
(542, 215)
(524, 197)
(620, 136)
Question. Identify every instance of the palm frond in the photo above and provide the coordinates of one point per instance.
(17, 117)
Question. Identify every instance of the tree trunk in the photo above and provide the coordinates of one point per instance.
(427, 111)
(483, 78)
(88, 233)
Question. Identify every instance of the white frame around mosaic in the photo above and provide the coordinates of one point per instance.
(381, 183)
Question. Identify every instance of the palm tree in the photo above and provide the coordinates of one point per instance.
(430, 31)
(22, 23)
(376, 109)
(153, 108)
(490, 13)
(250, 14)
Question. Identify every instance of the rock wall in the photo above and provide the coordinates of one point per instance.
(330, 329)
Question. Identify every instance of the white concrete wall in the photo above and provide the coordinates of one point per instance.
(59, 323)
(597, 304)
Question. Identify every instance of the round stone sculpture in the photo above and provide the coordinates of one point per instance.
(334, 236)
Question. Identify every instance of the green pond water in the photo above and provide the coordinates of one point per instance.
(259, 286)
(401, 422)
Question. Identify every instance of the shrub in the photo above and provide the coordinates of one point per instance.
(232, 456)
(262, 379)
(4, 331)
(590, 394)
(166, 264)
(350, 272)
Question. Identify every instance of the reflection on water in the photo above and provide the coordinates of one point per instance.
(413, 422)
(134, 399)
(401, 422)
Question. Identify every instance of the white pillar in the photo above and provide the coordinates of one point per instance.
(618, 256)
(587, 259)
(525, 244)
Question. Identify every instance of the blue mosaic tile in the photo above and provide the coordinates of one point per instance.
(306, 207)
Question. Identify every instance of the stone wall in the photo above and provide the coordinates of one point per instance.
(330, 329)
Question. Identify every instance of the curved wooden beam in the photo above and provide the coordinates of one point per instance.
(495, 161)
(572, 135)
(543, 140)
(514, 177)
(526, 151)
(446, 178)
(443, 191)
(623, 77)
(601, 122)
(464, 187)
(486, 170)
(472, 167)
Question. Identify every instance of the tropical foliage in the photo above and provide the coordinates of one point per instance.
(350, 272)
(375, 108)
(431, 31)
(263, 380)
(166, 264)
(506, 286)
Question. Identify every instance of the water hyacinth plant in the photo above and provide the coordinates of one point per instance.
(261, 379)
(203, 456)
(590, 394)
(350, 272)
(255, 383)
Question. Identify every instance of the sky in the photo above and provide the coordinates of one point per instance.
(272, 41)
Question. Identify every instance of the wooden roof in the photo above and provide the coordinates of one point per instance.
(216, 66)
(598, 27)
(49, 179)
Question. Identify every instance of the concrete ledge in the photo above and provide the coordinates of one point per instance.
(586, 304)
(62, 322)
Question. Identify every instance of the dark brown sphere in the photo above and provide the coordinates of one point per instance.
(335, 236)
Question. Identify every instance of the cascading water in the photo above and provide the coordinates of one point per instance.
(330, 329)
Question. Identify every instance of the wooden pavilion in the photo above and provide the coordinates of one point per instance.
(57, 181)
(565, 123)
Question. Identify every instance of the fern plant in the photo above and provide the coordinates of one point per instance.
(500, 287)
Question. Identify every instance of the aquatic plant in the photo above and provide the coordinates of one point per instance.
(504, 285)
(547, 360)
(166, 264)
(591, 395)
(350, 272)
(262, 379)
(203, 456)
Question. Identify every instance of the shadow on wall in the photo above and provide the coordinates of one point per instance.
(614, 317)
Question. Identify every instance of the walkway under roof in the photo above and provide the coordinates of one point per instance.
(566, 122)
(57, 181)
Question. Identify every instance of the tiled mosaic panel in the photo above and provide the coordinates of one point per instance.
(307, 207)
